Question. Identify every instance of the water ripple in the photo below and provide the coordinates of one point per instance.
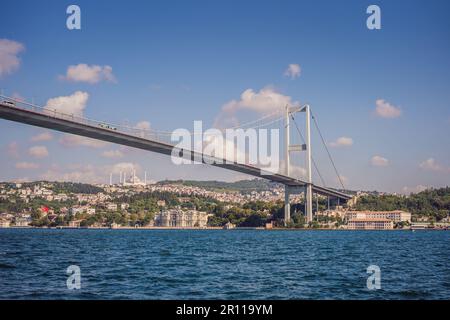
(216, 264)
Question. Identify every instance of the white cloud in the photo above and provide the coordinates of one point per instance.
(89, 73)
(143, 125)
(386, 110)
(88, 173)
(13, 149)
(73, 104)
(225, 120)
(9, 61)
(379, 161)
(44, 136)
(295, 171)
(432, 165)
(38, 152)
(70, 140)
(127, 167)
(416, 189)
(293, 71)
(22, 180)
(265, 101)
(18, 97)
(231, 151)
(113, 154)
(342, 142)
(27, 165)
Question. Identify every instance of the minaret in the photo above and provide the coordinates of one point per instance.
(145, 178)
(110, 179)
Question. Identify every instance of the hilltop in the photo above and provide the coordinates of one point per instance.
(431, 203)
(241, 185)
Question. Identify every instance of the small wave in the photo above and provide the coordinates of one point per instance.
(6, 266)
(164, 253)
(414, 293)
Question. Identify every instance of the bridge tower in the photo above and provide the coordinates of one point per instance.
(296, 148)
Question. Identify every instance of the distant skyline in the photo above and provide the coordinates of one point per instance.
(381, 96)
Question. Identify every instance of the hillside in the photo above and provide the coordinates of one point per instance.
(432, 203)
(241, 185)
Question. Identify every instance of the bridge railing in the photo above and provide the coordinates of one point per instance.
(148, 134)
(160, 136)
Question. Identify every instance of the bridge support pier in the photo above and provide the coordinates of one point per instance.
(308, 195)
(288, 148)
(287, 206)
(308, 202)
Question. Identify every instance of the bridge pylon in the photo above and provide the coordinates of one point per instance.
(297, 148)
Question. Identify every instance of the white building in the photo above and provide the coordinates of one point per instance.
(395, 216)
(5, 223)
(111, 206)
(370, 224)
(75, 210)
(179, 218)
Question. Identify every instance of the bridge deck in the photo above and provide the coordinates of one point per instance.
(92, 129)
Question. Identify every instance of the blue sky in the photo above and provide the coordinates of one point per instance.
(177, 61)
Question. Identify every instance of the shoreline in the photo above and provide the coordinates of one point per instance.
(216, 228)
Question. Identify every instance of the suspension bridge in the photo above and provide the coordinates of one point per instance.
(160, 142)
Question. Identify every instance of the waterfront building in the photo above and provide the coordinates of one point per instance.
(269, 225)
(229, 226)
(75, 223)
(5, 223)
(22, 221)
(6, 216)
(370, 224)
(395, 216)
(178, 218)
(419, 225)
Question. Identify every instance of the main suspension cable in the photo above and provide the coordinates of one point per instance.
(328, 151)
(313, 161)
